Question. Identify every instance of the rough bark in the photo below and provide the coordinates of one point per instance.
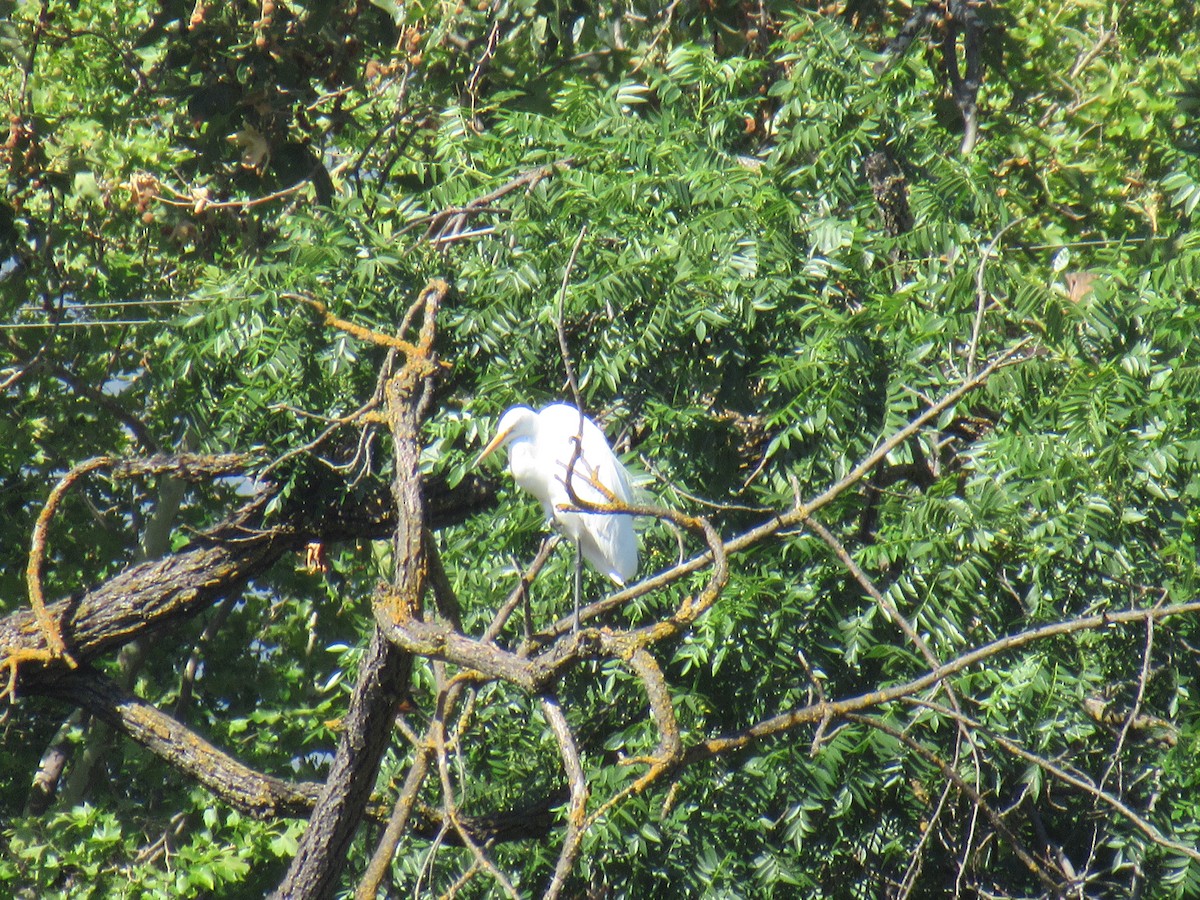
(383, 680)
(259, 795)
(321, 856)
(152, 595)
(255, 793)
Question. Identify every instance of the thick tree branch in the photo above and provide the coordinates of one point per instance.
(383, 681)
(254, 793)
(325, 845)
(152, 595)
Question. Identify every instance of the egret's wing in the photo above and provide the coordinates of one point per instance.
(607, 540)
(609, 543)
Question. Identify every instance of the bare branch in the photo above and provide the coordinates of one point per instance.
(976, 798)
(51, 626)
(579, 794)
(448, 223)
(437, 729)
(1079, 781)
(563, 349)
(261, 796)
(816, 712)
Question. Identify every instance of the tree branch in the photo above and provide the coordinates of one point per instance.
(149, 596)
(814, 713)
(254, 793)
(383, 682)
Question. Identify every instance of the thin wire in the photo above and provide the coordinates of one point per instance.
(112, 324)
(112, 304)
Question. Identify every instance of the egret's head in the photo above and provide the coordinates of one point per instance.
(517, 421)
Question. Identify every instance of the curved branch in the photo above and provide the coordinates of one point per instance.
(151, 595)
(51, 626)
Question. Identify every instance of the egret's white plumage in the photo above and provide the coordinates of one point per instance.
(540, 448)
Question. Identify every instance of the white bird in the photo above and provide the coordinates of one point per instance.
(541, 446)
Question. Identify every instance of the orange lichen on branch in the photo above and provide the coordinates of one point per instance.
(355, 330)
(12, 660)
(436, 289)
(51, 627)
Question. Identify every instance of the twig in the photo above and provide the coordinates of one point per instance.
(393, 121)
(489, 50)
(450, 806)
(1106, 35)
(24, 102)
(374, 403)
(462, 235)
(199, 202)
(981, 294)
(127, 57)
(667, 15)
(521, 591)
(909, 881)
(976, 798)
(563, 349)
(1079, 781)
(23, 368)
(903, 624)
(188, 679)
(1134, 712)
(459, 883)
(449, 221)
(695, 498)
(352, 328)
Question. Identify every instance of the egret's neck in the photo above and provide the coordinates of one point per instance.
(522, 463)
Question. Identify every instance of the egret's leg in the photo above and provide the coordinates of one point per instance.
(528, 619)
(578, 586)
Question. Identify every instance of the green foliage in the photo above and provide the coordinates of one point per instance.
(744, 326)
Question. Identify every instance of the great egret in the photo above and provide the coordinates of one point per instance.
(541, 446)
